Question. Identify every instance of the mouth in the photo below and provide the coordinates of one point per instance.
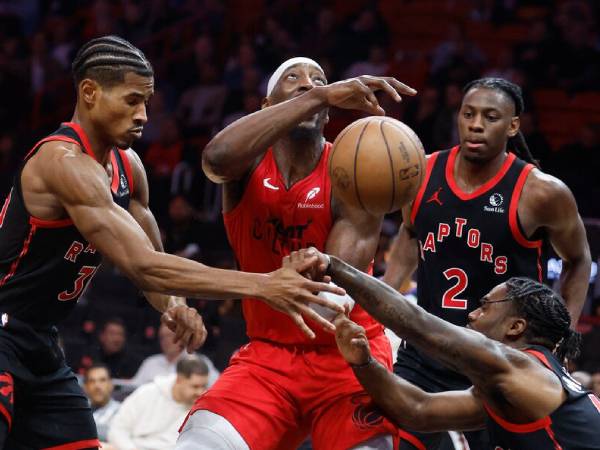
(473, 144)
(137, 132)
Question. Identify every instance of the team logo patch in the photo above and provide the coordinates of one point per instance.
(435, 197)
(496, 201)
(366, 414)
(7, 386)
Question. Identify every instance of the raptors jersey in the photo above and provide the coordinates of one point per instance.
(470, 242)
(45, 265)
(269, 223)
(574, 425)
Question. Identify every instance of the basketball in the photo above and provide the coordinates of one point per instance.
(377, 164)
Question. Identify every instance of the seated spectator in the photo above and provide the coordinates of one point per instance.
(149, 419)
(113, 351)
(164, 363)
(98, 386)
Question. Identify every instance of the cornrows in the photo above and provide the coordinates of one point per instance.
(548, 320)
(106, 59)
(517, 143)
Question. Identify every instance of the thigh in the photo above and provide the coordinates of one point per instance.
(52, 411)
(205, 430)
(252, 395)
(346, 415)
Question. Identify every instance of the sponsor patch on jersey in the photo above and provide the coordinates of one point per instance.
(311, 196)
(496, 201)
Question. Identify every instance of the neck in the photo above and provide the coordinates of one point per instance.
(296, 158)
(474, 174)
(100, 146)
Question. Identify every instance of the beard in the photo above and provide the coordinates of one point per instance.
(309, 130)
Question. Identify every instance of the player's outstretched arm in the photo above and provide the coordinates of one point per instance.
(404, 403)
(404, 254)
(82, 188)
(233, 151)
(554, 208)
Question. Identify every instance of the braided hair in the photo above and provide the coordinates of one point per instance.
(548, 320)
(107, 59)
(516, 143)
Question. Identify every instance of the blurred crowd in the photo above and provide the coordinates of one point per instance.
(212, 59)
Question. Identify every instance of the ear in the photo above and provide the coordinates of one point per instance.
(266, 102)
(517, 327)
(89, 91)
(515, 124)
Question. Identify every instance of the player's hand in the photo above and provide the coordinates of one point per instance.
(187, 325)
(289, 292)
(351, 340)
(310, 263)
(359, 93)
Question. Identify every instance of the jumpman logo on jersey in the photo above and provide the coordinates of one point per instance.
(435, 197)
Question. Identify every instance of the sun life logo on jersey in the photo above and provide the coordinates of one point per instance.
(4, 319)
(310, 196)
(496, 200)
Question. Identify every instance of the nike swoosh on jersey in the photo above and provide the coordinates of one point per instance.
(267, 184)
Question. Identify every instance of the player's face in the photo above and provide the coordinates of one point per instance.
(192, 387)
(98, 386)
(485, 122)
(494, 315)
(120, 110)
(295, 81)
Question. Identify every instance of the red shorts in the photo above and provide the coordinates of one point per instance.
(275, 395)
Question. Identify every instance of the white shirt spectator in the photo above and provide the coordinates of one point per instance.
(159, 365)
(103, 417)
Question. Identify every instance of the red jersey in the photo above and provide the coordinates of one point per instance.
(270, 222)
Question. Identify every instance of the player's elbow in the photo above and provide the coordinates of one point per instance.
(217, 166)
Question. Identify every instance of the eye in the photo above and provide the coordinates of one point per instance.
(467, 114)
(493, 118)
(291, 76)
(320, 80)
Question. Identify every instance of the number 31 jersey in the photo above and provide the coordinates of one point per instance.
(470, 242)
(45, 265)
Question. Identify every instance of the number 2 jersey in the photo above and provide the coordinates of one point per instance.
(574, 425)
(45, 265)
(270, 222)
(468, 243)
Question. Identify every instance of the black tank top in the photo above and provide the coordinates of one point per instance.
(45, 265)
(574, 425)
(468, 243)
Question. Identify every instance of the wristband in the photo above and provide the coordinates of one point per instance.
(370, 360)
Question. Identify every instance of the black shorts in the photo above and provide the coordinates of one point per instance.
(431, 376)
(41, 404)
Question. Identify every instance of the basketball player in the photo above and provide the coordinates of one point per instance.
(484, 214)
(512, 351)
(277, 198)
(77, 196)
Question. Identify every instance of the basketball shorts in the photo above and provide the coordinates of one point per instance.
(275, 395)
(41, 404)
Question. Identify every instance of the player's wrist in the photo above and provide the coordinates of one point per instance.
(370, 361)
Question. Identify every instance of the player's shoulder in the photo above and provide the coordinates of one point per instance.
(543, 189)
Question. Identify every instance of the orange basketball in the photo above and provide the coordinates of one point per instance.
(377, 164)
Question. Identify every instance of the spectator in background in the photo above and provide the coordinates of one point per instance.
(182, 234)
(537, 142)
(589, 358)
(445, 133)
(165, 363)
(422, 115)
(98, 386)
(150, 417)
(377, 64)
(113, 351)
(533, 55)
(162, 156)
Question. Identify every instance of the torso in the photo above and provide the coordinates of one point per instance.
(45, 265)
(269, 222)
(572, 426)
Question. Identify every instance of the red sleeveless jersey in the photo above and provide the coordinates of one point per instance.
(270, 222)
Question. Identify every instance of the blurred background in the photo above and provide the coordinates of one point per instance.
(212, 60)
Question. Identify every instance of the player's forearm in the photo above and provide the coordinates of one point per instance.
(456, 347)
(162, 302)
(401, 401)
(168, 274)
(230, 154)
(574, 282)
(403, 259)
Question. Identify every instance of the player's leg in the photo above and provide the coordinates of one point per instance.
(251, 398)
(343, 415)
(58, 414)
(205, 430)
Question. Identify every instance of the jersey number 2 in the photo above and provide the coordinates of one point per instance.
(85, 275)
(449, 299)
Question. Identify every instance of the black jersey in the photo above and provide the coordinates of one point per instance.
(45, 265)
(469, 243)
(574, 425)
